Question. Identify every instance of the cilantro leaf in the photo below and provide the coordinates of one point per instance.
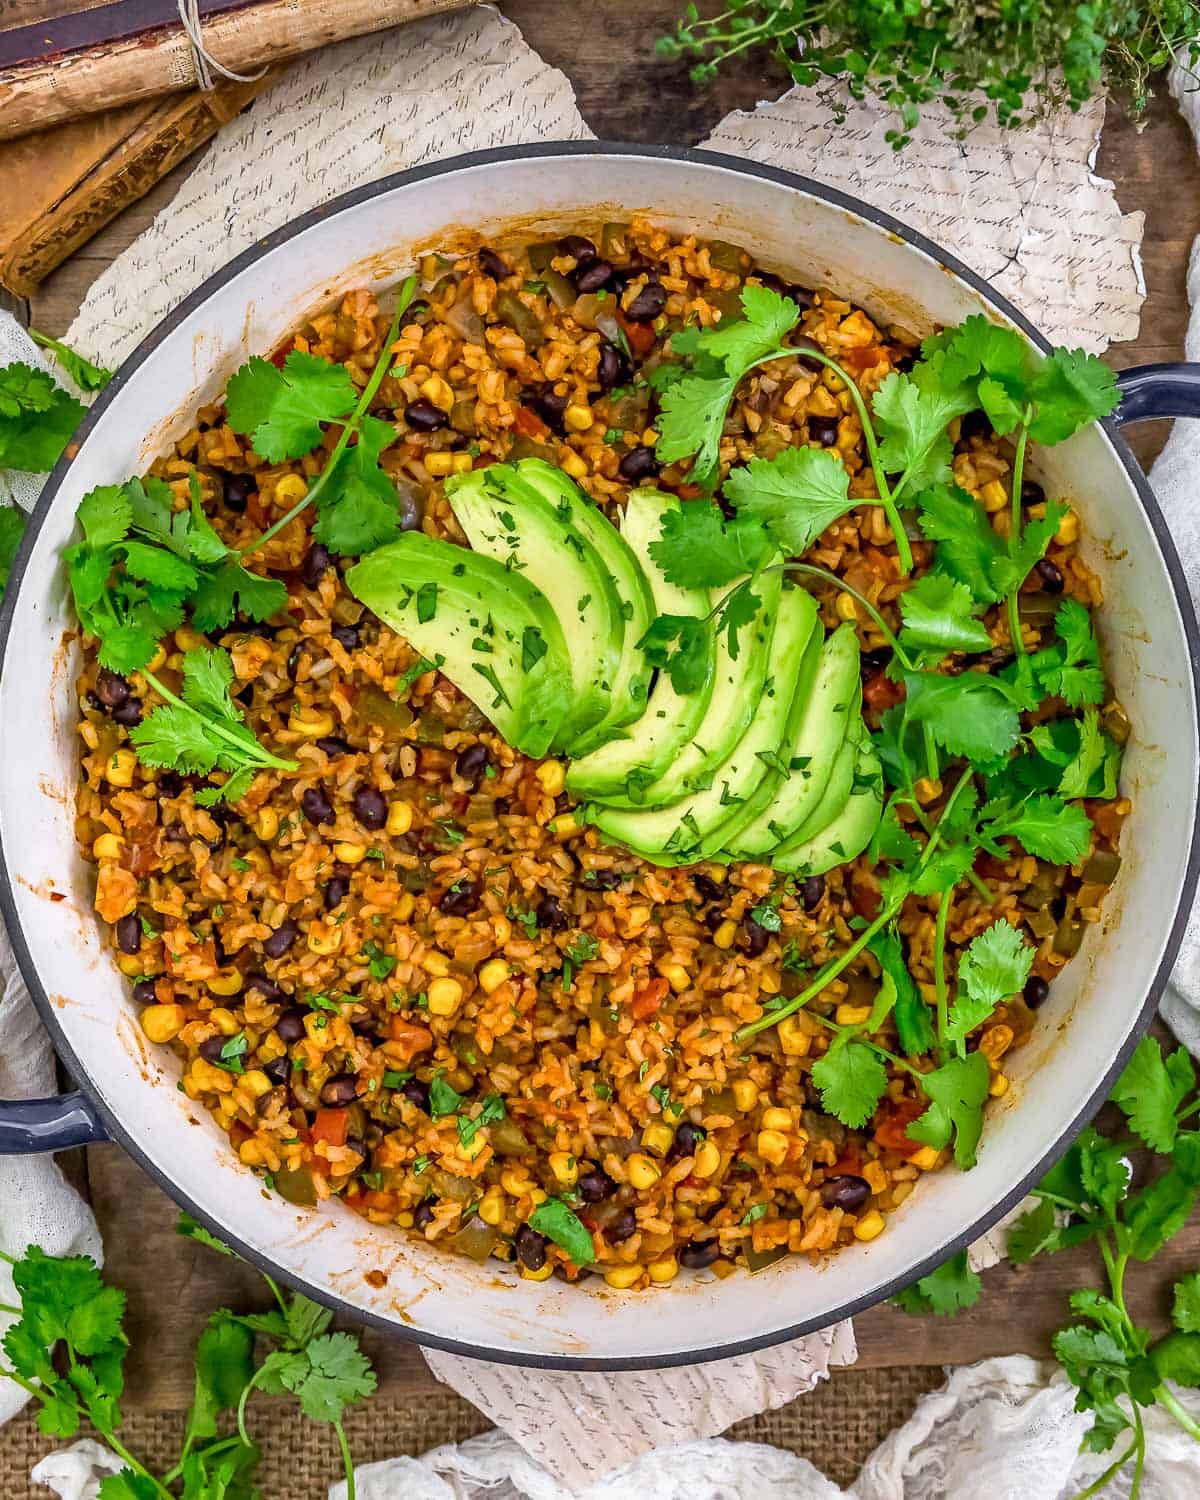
(795, 495)
(443, 1098)
(852, 1080)
(232, 589)
(1150, 1091)
(739, 608)
(12, 529)
(1160, 1210)
(698, 548)
(1185, 1310)
(224, 1365)
(691, 419)
(910, 1014)
(126, 1485)
(188, 1227)
(968, 549)
(912, 424)
(491, 1110)
(1177, 1357)
(993, 966)
(690, 662)
(948, 1289)
(970, 715)
(86, 375)
(36, 419)
(769, 318)
(1070, 390)
(957, 1092)
(358, 507)
(1033, 1233)
(336, 1373)
(1071, 668)
(282, 410)
(559, 1223)
(939, 617)
(1044, 826)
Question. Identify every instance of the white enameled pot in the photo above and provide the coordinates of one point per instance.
(374, 234)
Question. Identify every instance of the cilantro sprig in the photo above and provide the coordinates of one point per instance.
(37, 416)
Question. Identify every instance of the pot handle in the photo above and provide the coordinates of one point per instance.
(1166, 390)
(30, 1126)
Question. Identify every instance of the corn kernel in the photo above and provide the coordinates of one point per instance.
(643, 1173)
(256, 1082)
(552, 776)
(492, 975)
(227, 983)
(445, 996)
(502, 927)
(995, 1042)
(224, 1020)
(658, 1138)
(870, 1226)
(776, 1118)
(324, 939)
(312, 723)
(772, 1147)
(664, 1270)
(250, 1152)
(188, 639)
(405, 906)
(491, 1206)
(131, 965)
(846, 608)
(108, 846)
(926, 789)
(851, 1015)
(461, 463)
(622, 1278)
(994, 496)
(316, 1028)
(156, 660)
(831, 380)
(436, 390)
(438, 465)
(578, 418)
(515, 1182)
(707, 1160)
(473, 1148)
(998, 1086)
(400, 817)
(162, 1023)
(436, 963)
(290, 489)
(543, 1273)
(793, 1038)
(120, 768)
(572, 464)
(1068, 530)
(725, 934)
(676, 976)
(349, 854)
(745, 1094)
(563, 827)
(926, 1158)
(266, 825)
(565, 1168)
(405, 1220)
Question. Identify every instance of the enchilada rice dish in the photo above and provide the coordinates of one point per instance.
(595, 755)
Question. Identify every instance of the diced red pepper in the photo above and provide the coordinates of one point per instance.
(892, 1132)
(648, 999)
(330, 1126)
(530, 425)
(641, 336)
(865, 357)
(409, 1038)
(688, 491)
(880, 692)
(381, 1202)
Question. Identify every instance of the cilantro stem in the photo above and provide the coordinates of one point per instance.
(872, 611)
(7, 1308)
(248, 748)
(886, 497)
(1167, 1399)
(347, 1461)
(1014, 536)
(241, 1406)
(857, 1032)
(407, 291)
(939, 970)
(1113, 1469)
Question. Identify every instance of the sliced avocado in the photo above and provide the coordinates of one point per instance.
(832, 705)
(487, 629)
(684, 833)
(670, 719)
(631, 684)
(850, 832)
(542, 544)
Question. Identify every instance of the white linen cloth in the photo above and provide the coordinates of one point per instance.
(1000, 1419)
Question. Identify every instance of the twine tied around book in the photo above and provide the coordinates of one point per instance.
(206, 64)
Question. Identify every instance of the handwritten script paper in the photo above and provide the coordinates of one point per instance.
(1023, 209)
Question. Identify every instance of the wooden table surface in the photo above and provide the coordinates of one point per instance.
(625, 94)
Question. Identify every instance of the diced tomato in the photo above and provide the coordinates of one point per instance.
(282, 353)
(892, 1131)
(865, 900)
(880, 692)
(849, 1164)
(382, 1202)
(865, 357)
(410, 1038)
(648, 999)
(641, 336)
(530, 425)
(330, 1126)
(688, 491)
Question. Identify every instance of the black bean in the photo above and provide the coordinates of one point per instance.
(279, 1069)
(144, 992)
(356, 1143)
(579, 246)
(336, 891)
(259, 628)
(346, 635)
(370, 808)
(129, 713)
(425, 416)
(211, 1050)
(267, 988)
(595, 1186)
(237, 489)
(1032, 493)
(290, 1025)
(246, 695)
(491, 265)
(811, 892)
(471, 764)
(170, 783)
(550, 406)
(871, 662)
(530, 1247)
(341, 1089)
(333, 744)
(129, 933)
(696, 1257)
(603, 880)
(706, 887)
(975, 424)
(416, 1093)
(460, 899)
(648, 303)
(713, 917)
(800, 295)
(687, 1141)
(1035, 992)
(410, 509)
(1052, 579)
(756, 937)
(593, 276)
(281, 939)
(611, 368)
(550, 915)
(621, 1227)
(316, 805)
(847, 1192)
(638, 464)
(416, 311)
(423, 1214)
(111, 688)
(823, 430)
